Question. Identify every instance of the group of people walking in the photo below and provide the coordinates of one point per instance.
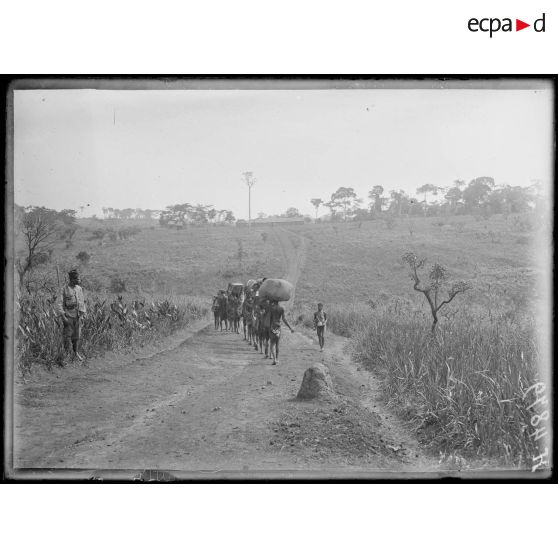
(261, 318)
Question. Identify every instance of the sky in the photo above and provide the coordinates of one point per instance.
(153, 148)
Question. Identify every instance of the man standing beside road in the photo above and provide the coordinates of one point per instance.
(320, 321)
(71, 309)
(277, 313)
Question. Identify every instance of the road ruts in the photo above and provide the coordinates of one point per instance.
(294, 258)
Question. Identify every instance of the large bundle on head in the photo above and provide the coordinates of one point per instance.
(276, 289)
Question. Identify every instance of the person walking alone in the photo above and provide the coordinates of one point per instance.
(277, 314)
(71, 309)
(320, 321)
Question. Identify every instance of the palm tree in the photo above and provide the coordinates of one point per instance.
(424, 189)
(250, 181)
(316, 202)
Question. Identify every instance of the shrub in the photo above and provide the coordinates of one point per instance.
(522, 224)
(91, 284)
(68, 232)
(437, 286)
(112, 234)
(42, 258)
(240, 252)
(411, 227)
(83, 257)
(459, 226)
(41, 279)
(98, 234)
(128, 232)
(117, 284)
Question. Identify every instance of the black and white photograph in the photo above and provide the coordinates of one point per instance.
(279, 278)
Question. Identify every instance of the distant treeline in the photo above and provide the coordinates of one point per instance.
(129, 213)
(178, 215)
(182, 214)
(481, 195)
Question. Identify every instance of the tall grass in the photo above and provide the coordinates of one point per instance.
(464, 388)
(108, 325)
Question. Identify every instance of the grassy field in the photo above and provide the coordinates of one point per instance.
(463, 388)
(162, 262)
(347, 263)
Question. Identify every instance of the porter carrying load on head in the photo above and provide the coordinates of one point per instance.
(279, 290)
(276, 316)
(252, 286)
(235, 289)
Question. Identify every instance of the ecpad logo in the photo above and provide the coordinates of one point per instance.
(493, 25)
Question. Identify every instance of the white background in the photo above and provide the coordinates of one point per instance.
(255, 36)
(341, 521)
(291, 36)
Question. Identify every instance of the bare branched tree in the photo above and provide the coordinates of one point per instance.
(438, 279)
(40, 227)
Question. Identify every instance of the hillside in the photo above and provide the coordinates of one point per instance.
(157, 261)
(345, 262)
(349, 263)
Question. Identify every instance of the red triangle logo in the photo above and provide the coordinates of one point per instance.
(519, 25)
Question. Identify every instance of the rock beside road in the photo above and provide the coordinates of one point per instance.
(316, 383)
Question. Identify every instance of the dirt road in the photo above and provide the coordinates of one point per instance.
(210, 406)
